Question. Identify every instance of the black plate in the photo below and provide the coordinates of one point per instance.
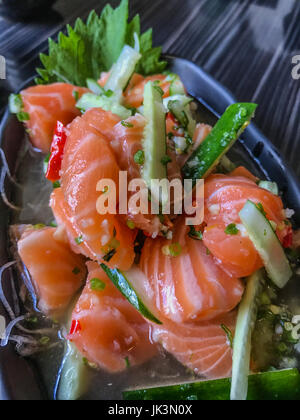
(19, 379)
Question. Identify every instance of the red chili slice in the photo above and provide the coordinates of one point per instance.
(57, 151)
(75, 327)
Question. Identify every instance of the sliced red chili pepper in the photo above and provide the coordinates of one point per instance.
(288, 240)
(57, 151)
(75, 327)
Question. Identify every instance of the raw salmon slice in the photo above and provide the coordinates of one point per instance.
(225, 198)
(134, 95)
(109, 331)
(56, 272)
(47, 104)
(202, 347)
(190, 286)
(87, 160)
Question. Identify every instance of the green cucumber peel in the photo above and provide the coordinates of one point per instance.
(122, 282)
(283, 385)
(246, 320)
(223, 136)
(267, 244)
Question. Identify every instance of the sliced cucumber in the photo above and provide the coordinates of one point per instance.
(269, 186)
(74, 375)
(183, 99)
(15, 103)
(122, 71)
(94, 86)
(180, 108)
(283, 385)
(228, 129)
(132, 286)
(267, 244)
(90, 100)
(73, 378)
(177, 87)
(154, 142)
(243, 335)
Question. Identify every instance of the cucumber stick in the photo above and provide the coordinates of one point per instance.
(90, 100)
(283, 385)
(243, 334)
(177, 87)
(227, 130)
(122, 71)
(267, 244)
(154, 143)
(269, 186)
(131, 284)
(74, 375)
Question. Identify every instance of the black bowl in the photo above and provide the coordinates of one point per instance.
(18, 377)
(22, 9)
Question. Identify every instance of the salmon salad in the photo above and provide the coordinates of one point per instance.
(162, 267)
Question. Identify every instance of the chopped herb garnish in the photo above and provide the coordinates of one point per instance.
(127, 124)
(76, 95)
(170, 136)
(46, 161)
(127, 362)
(131, 224)
(53, 224)
(56, 185)
(76, 271)
(139, 157)
(194, 234)
(39, 226)
(232, 229)
(97, 285)
(15, 103)
(173, 250)
(165, 160)
(208, 251)
(79, 240)
(23, 116)
(228, 333)
(44, 341)
(109, 93)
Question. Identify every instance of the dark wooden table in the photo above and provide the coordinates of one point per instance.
(248, 45)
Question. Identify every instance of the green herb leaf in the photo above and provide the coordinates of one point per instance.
(232, 229)
(165, 160)
(93, 47)
(23, 116)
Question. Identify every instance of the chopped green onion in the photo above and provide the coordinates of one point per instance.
(23, 116)
(127, 362)
(15, 103)
(139, 157)
(56, 184)
(76, 95)
(39, 226)
(232, 229)
(127, 124)
(79, 240)
(130, 224)
(173, 250)
(97, 285)
(194, 234)
(44, 341)
(166, 159)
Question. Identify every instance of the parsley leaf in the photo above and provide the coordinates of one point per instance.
(232, 229)
(93, 47)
